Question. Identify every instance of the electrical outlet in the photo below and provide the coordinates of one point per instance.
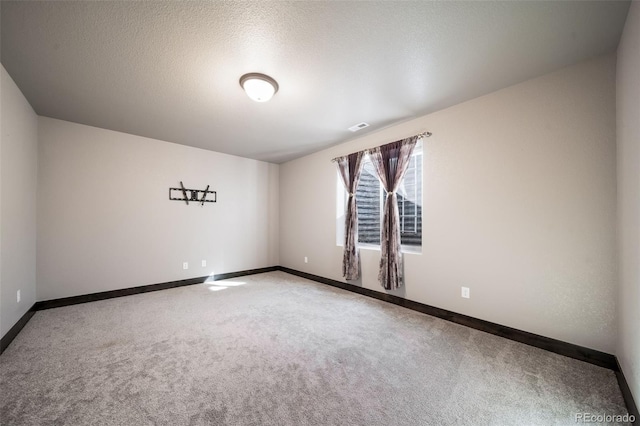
(306, 259)
(185, 265)
(18, 296)
(466, 292)
(204, 263)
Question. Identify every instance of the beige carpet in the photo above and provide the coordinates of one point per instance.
(274, 349)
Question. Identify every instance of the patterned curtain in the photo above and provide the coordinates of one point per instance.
(350, 167)
(390, 162)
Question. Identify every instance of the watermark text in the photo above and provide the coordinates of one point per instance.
(604, 418)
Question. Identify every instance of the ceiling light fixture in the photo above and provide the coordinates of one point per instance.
(259, 87)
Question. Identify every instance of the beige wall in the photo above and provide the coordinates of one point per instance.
(519, 205)
(628, 133)
(105, 221)
(18, 176)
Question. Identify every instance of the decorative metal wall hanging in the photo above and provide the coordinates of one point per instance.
(196, 195)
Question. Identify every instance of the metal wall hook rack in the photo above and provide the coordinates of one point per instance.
(196, 195)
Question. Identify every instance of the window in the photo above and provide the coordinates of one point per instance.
(370, 198)
(369, 201)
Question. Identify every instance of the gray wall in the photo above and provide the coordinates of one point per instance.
(519, 205)
(18, 176)
(105, 221)
(628, 133)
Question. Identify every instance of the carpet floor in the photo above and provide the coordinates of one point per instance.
(275, 349)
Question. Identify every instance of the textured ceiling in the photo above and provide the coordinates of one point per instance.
(170, 70)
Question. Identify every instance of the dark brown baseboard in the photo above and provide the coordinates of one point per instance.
(17, 327)
(93, 297)
(247, 272)
(626, 394)
(85, 298)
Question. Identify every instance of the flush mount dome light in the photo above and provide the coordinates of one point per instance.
(259, 87)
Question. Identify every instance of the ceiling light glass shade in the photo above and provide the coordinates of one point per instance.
(259, 87)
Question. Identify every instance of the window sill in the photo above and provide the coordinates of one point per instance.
(411, 250)
(404, 249)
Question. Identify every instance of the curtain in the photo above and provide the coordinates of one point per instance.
(350, 167)
(390, 162)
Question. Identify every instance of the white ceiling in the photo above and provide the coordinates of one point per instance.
(170, 70)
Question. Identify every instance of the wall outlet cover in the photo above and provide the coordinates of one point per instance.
(465, 292)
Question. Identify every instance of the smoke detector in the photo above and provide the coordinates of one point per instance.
(358, 126)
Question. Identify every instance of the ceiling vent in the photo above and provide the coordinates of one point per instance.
(358, 126)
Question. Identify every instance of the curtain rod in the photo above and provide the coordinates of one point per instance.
(419, 135)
